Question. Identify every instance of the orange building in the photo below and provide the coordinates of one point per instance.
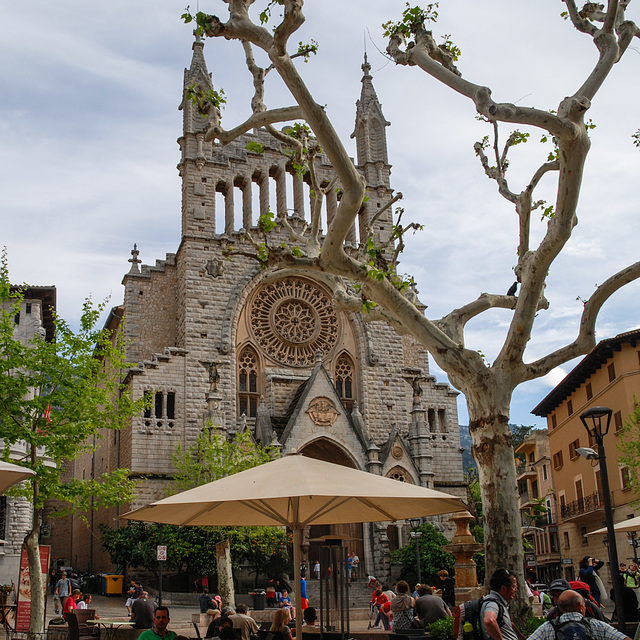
(609, 376)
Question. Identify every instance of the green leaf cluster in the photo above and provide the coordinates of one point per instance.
(629, 447)
(432, 557)
(412, 19)
(205, 100)
(442, 629)
(78, 379)
(255, 147)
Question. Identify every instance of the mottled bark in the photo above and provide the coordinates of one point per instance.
(225, 574)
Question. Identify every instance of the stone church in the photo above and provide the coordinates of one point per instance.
(220, 342)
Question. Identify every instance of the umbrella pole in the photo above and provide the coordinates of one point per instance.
(297, 540)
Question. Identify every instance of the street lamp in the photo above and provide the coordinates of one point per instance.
(597, 421)
(416, 535)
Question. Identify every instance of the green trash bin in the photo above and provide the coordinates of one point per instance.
(113, 585)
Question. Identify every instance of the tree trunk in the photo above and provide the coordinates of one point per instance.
(493, 451)
(36, 623)
(225, 574)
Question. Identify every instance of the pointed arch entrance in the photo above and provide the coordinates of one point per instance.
(325, 449)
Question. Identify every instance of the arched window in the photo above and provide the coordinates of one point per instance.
(344, 377)
(248, 393)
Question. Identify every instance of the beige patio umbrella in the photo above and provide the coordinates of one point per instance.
(633, 524)
(10, 474)
(296, 491)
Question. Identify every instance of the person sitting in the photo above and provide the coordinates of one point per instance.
(429, 607)
(226, 629)
(143, 612)
(71, 603)
(285, 603)
(310, 617)
(213, 629)
(159, 630)
(244, 622)
(402, 608)
(280, 626)
(206, 601)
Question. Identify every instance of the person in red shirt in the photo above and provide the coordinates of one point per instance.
(70, 603)
(378, 600)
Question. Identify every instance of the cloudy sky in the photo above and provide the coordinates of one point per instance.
(89, 121)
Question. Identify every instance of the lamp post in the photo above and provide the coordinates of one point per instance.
(597, 421)
(416, 535)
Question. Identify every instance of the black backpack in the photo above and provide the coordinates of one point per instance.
(469, 613)
(572, 629)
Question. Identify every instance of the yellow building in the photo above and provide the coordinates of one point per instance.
(609, 376)
(538, 507)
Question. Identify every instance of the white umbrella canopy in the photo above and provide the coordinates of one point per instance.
(11, 474)
(633, 524)
(296, 491)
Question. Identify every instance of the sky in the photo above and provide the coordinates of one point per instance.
(89, 121)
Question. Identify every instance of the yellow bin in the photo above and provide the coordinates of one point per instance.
(114, 585)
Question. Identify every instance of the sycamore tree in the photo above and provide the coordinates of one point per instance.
(367, 278)
(56, 397)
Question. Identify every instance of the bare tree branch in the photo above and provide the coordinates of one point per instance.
(256, 120)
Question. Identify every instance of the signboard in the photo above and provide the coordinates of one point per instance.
(23, 610)
(567, 561)
(162, 552)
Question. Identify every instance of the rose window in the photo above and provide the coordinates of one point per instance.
(291, 319)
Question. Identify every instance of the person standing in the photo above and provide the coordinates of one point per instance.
(588, 568)
(159, 629)
(447, 584)
(495, 621)
(316, 570)
(63, 589)
(355, 566)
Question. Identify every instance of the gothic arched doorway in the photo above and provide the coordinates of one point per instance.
(323, 449)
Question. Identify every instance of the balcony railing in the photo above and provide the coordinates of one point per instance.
(543, 520)
(527, 468)
(583, 505)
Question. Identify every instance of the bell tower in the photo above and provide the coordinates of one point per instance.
(371, 143)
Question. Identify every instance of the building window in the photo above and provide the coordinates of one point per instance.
(570, 407)
(557, 460)
(171, 405)
(625, 478)
(554, 421)
(248, 394)
(583, 533)
(16, 318)
(573, 454)
(344, 376)
(147, 404)
(159, 405)
(617, 420)
(532, 457)
(566, 540)
(612, 372)
(545, 472)
(589, 391)
(28, 308)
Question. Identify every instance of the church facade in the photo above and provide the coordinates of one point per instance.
(221, 343)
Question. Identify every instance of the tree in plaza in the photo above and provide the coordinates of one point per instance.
(191, 550)
(367, 278)
(56, 397)
(432, 557)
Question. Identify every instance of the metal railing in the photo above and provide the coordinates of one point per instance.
(587, 504)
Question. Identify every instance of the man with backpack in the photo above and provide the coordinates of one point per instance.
(572, 623)
(560, 585)
(494, 612)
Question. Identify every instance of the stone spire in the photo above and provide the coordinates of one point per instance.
(369, 132)
(197, 74)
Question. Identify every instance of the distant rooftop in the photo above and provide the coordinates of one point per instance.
(47, 296)
(584, 370)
